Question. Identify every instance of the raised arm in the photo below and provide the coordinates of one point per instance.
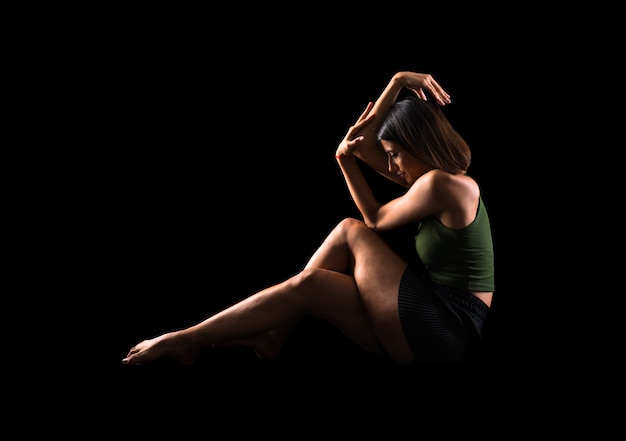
(361, 142)
(367, 149)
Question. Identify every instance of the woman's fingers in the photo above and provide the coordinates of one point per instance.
(358, 126)
(421, 84)
(351, 139)
(366, 111)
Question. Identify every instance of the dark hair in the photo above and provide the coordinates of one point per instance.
(421, 128)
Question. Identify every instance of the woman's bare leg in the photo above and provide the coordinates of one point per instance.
(376, 269)
(364, 307)
(309, 292)
(376, 264)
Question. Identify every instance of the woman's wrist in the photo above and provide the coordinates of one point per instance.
(399, 80)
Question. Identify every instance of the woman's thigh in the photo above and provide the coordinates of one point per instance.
(378, 271)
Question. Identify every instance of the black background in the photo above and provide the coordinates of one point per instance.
(210, 170)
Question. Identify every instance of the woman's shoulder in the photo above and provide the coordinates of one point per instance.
(457, 183)
(458, 196)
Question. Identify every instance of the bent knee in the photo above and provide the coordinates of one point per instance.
(352, 225)
(307, 278)
(351, 222)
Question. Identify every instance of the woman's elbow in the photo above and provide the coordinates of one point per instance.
(371, 224)
(373, 221)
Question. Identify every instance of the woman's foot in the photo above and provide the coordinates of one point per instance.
(171, 345)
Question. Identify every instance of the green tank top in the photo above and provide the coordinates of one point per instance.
(460, 258)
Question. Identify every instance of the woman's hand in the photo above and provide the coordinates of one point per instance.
(421, 83)
(350, 142)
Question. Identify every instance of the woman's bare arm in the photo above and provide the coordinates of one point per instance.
(368, 150)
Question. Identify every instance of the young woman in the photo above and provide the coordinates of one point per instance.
(431, 314)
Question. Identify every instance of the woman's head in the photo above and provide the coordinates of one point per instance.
(421, 128)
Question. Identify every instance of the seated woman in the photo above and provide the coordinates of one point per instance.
(355, 280)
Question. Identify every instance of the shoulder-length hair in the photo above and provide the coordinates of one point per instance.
(421, 128)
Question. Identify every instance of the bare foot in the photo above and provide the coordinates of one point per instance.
(171, 345)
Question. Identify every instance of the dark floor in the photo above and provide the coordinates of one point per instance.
(321, 383)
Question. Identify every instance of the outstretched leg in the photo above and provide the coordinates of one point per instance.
(351, 281)
(313, 291)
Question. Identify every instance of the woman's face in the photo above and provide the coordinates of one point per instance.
(404, 164)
